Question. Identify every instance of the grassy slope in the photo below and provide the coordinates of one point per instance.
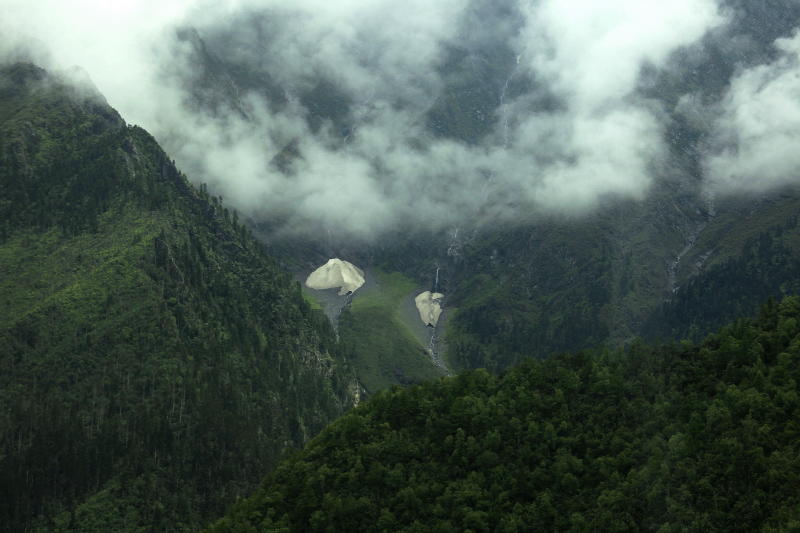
(311, 301)
(384, 351)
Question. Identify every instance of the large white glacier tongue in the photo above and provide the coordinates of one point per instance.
(336, 274)
(429, 307)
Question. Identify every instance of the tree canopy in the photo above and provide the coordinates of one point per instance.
(675, 438)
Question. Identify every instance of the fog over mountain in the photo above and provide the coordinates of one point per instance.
(336, 114)
(758, 129)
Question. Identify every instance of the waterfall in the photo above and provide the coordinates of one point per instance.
(503, 100)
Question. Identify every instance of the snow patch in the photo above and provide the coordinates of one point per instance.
(336, 274)
(429, 306)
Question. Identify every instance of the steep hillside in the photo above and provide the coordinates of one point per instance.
(154, 363)
(679, 438)
(545, 284)
(533, 283)
(383, 347)
(669, 267)
(750, 253)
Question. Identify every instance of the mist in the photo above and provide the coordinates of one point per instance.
(349, 116)
(758, 130)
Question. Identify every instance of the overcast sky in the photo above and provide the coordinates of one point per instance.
(595, 136)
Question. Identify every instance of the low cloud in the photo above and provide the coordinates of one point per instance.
(756, 138)
(567, 126)
(603, 139)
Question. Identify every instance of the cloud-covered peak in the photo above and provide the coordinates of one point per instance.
(358, 116)
(758, 132)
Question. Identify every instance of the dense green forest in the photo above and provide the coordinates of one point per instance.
(154, 362)
(549, 288)
(677, 438)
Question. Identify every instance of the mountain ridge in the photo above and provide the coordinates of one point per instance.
(146, 329)
(679, 437)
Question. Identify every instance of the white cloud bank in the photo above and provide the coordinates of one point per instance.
(606, 138)
(599, 139)
(758, 134)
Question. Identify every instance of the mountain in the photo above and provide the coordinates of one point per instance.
(562, 181)
(666, 268)
(677, 263)
(155, 362)
(677, 438)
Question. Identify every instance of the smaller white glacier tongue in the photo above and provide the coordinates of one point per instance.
(429, 306)
(336, 274)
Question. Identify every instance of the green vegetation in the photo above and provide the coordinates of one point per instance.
(679, 438)
(312, 303)
(531, 292)
(563, 285)
(154, 363)
(767, 267)
(381, 348)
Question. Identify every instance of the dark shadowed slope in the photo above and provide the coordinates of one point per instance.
(680, 438)
(154, 363)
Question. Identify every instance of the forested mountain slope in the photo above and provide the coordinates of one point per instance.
(666, 268)
(154, 363)
(753, 256)
(678, 438)
(678, 262)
